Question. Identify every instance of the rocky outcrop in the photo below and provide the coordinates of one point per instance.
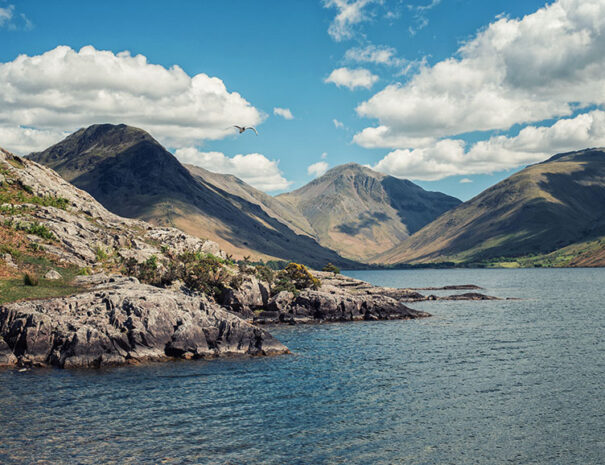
(121, 321)
(340, 298)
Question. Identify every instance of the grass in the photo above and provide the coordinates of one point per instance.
(12, 290)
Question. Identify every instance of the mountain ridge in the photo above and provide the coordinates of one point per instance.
(543, 208)
(140, 179)
(360, 212)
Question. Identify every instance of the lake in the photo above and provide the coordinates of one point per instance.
(510, 381)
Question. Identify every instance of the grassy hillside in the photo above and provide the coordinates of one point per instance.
(551, 213)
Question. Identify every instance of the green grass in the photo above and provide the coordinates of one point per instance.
(12, 290)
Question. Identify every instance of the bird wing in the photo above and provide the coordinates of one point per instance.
(254, 129)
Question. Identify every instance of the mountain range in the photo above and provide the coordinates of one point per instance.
(550, 213)
(350, 214)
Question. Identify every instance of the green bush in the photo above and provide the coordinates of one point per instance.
(30, 279)
(39, 230)
(101, 254)
(264, 273)
(330, 268)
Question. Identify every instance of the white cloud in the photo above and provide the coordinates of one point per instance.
(22, 140)
(350, 13)
(11, 21)
(63, 90)
(254, 168)
(533, 144)
(515, 71)
(381, 55)
(317, 169)
(385, 137)
(338, 124)
(420, 16)
(465, 181)
(324, 155)
(283, 112)
(6, 14)
(352, 78)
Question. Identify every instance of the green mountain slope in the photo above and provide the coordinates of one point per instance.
(132, 175)
(542, 209)
(361, 213)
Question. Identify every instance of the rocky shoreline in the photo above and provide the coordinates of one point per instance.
(190, 300)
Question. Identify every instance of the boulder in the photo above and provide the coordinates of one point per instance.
(251, 295)
(53, 275)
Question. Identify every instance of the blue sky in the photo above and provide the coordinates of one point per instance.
(280, 54)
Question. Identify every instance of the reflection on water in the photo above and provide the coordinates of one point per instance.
(481, 382)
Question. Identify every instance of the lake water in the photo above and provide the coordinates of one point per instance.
(517, 381)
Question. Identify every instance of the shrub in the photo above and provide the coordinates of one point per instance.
(294, 278)
(330, 268)
(101, 254)
(264, 273)
(39, 230)
(30, 279)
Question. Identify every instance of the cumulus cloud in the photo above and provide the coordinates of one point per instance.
(254, 168)
(23, 140)
(317, 169)
(449, 157)
(465, 181)
(283, 112)
(324, 155)
(385, 137)
(349, 14)
(64, 89)
(338, 124)
(381, 55)
(352, 78)
(516, 71)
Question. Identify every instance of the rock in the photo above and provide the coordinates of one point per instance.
(7, 358)
(122, 321)
(53, 275)
(469, 296)
(281, 302)
(8, 259)
(251, 295)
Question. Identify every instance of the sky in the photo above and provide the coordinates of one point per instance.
(453, 94)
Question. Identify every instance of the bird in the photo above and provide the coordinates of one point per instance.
(243, 128)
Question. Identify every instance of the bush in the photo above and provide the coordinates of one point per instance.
(330, 268)
(101, 254)
(30, 279)
(294, 278)
(39, 230)
(264, 273)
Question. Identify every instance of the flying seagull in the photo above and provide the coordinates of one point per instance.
(243, 128)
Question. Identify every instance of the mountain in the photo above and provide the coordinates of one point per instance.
(553, 210)
(132, 175)
(361, 213)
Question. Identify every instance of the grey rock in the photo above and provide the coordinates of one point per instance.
(121, 321)
(53, 275)
(251, 295)
(8, 259)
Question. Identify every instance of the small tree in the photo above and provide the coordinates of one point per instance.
(330, 268)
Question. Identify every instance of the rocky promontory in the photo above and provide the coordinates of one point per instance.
(120, 321)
